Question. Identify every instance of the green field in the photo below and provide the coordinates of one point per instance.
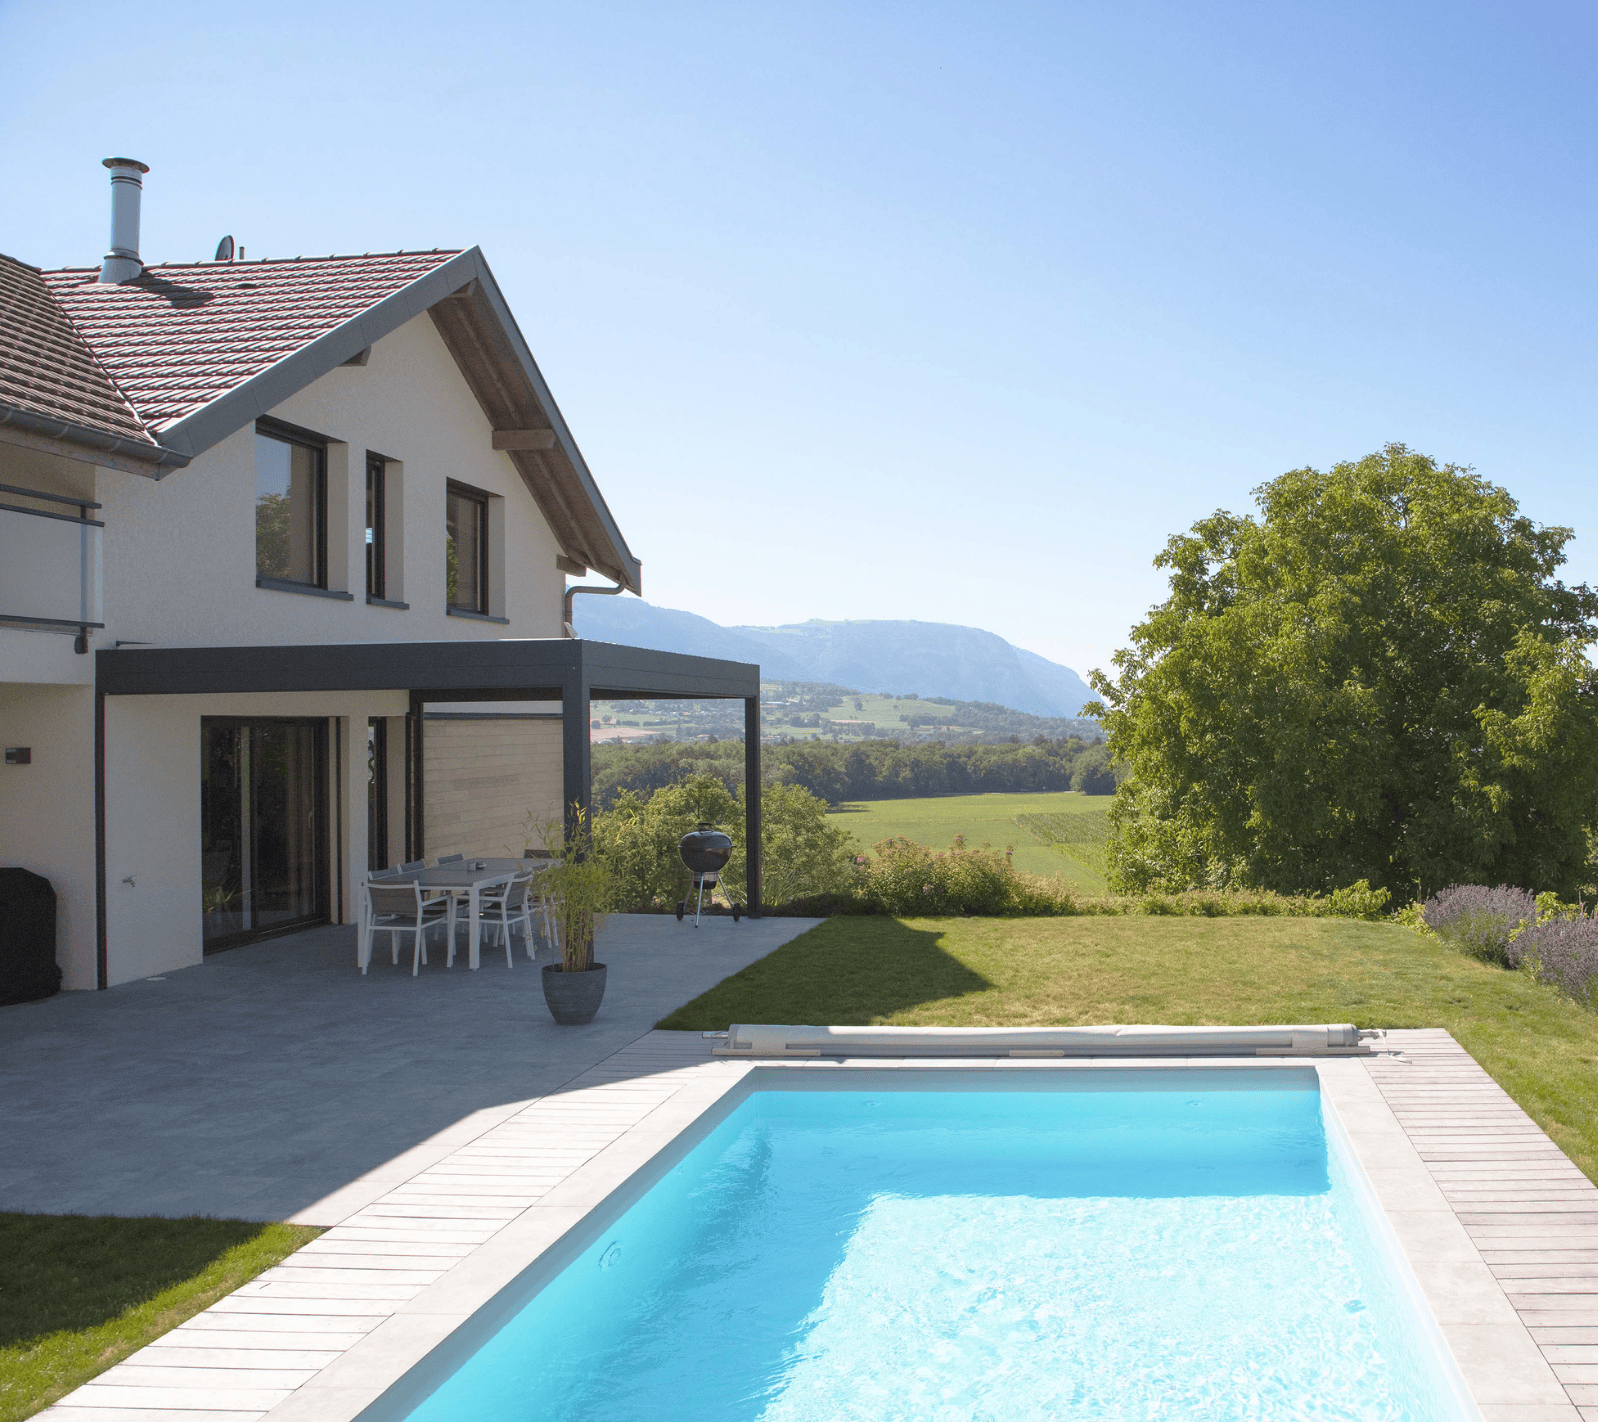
(1061, 833)
(886, 715)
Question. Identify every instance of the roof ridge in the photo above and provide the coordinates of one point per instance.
(276, 261)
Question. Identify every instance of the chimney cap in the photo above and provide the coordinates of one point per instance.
(126, 163)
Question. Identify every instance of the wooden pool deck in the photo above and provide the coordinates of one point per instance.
(1530, 1213)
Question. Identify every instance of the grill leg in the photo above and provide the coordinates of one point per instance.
(700, 905)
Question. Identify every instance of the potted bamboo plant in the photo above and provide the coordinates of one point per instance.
(579, 888)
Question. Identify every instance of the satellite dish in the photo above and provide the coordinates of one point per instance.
(224, 250)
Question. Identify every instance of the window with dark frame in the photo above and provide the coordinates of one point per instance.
(376, 793)
(466, 549)
(376, 493)
(290, 506)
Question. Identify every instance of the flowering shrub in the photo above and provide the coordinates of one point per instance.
(1480, 921)
(1563, 952)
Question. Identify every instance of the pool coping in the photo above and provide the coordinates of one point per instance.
(327, 1334)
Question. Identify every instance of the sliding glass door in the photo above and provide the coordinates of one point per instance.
(263, 827)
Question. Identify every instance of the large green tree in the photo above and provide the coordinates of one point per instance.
(1378, 677)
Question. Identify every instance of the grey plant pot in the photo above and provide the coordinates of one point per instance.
(573, 998)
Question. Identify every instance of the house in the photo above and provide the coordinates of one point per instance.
(283, 549)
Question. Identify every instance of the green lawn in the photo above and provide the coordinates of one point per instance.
(80, 1292)
(1031, 823)
(1540, 1047)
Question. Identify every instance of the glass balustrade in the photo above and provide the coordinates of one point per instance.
(49, 562)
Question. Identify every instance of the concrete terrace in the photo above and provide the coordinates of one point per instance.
(275, 1082)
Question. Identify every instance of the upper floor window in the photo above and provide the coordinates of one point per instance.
(290, 506)
(466, 549)
(376, 492)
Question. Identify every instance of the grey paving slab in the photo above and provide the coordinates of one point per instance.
(272, 1077)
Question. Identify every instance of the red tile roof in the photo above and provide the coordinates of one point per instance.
(45, 366)
(183, 334)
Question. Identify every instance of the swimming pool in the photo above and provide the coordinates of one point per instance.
(1159, 1244)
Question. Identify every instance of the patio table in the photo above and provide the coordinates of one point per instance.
(469, 876)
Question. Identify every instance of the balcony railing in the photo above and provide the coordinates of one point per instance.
(49, 565)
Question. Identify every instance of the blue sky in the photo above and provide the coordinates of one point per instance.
(944, 311)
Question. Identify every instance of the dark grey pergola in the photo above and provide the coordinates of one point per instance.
(571, 671)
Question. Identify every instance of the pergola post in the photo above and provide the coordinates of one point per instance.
(752, 794)
(415, 800)
(576, 768)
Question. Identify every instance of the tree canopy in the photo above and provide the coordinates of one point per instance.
(1379, 677)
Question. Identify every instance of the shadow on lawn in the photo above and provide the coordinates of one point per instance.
(78, 1271)
(846, 972)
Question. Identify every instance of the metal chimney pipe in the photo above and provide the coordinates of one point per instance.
(127, 184)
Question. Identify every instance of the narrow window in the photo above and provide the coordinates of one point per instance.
(290, 509)
(376, 476)
(466, 549)
(376, 792)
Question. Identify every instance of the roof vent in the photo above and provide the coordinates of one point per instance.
(127, 183)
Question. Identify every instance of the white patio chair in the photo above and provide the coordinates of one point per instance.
(503, 905)
(538, 860)
(403, 908)
(546, 912)
(363, 935)
(460, 896)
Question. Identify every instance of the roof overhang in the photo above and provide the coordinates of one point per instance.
(534, 669)
(32, 430)
(476, 325)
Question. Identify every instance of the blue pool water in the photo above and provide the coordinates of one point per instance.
(1189, 1252)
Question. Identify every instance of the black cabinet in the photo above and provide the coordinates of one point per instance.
(27, 937)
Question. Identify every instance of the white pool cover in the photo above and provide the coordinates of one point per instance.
(775, 1040)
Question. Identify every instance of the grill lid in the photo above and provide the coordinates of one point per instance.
(706, 849)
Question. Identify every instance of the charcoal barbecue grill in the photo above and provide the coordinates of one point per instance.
(706, 851)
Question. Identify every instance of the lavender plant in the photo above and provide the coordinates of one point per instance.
(1564, 954)
(1480, 921)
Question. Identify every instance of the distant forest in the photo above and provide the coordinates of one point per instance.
(865, 770)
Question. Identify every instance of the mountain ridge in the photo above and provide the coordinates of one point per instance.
(894, 656)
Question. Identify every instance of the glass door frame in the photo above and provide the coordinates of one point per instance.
(321, 822)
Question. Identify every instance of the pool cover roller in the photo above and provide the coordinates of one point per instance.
(767, 1040)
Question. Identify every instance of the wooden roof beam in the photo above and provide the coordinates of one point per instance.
(524, 439)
